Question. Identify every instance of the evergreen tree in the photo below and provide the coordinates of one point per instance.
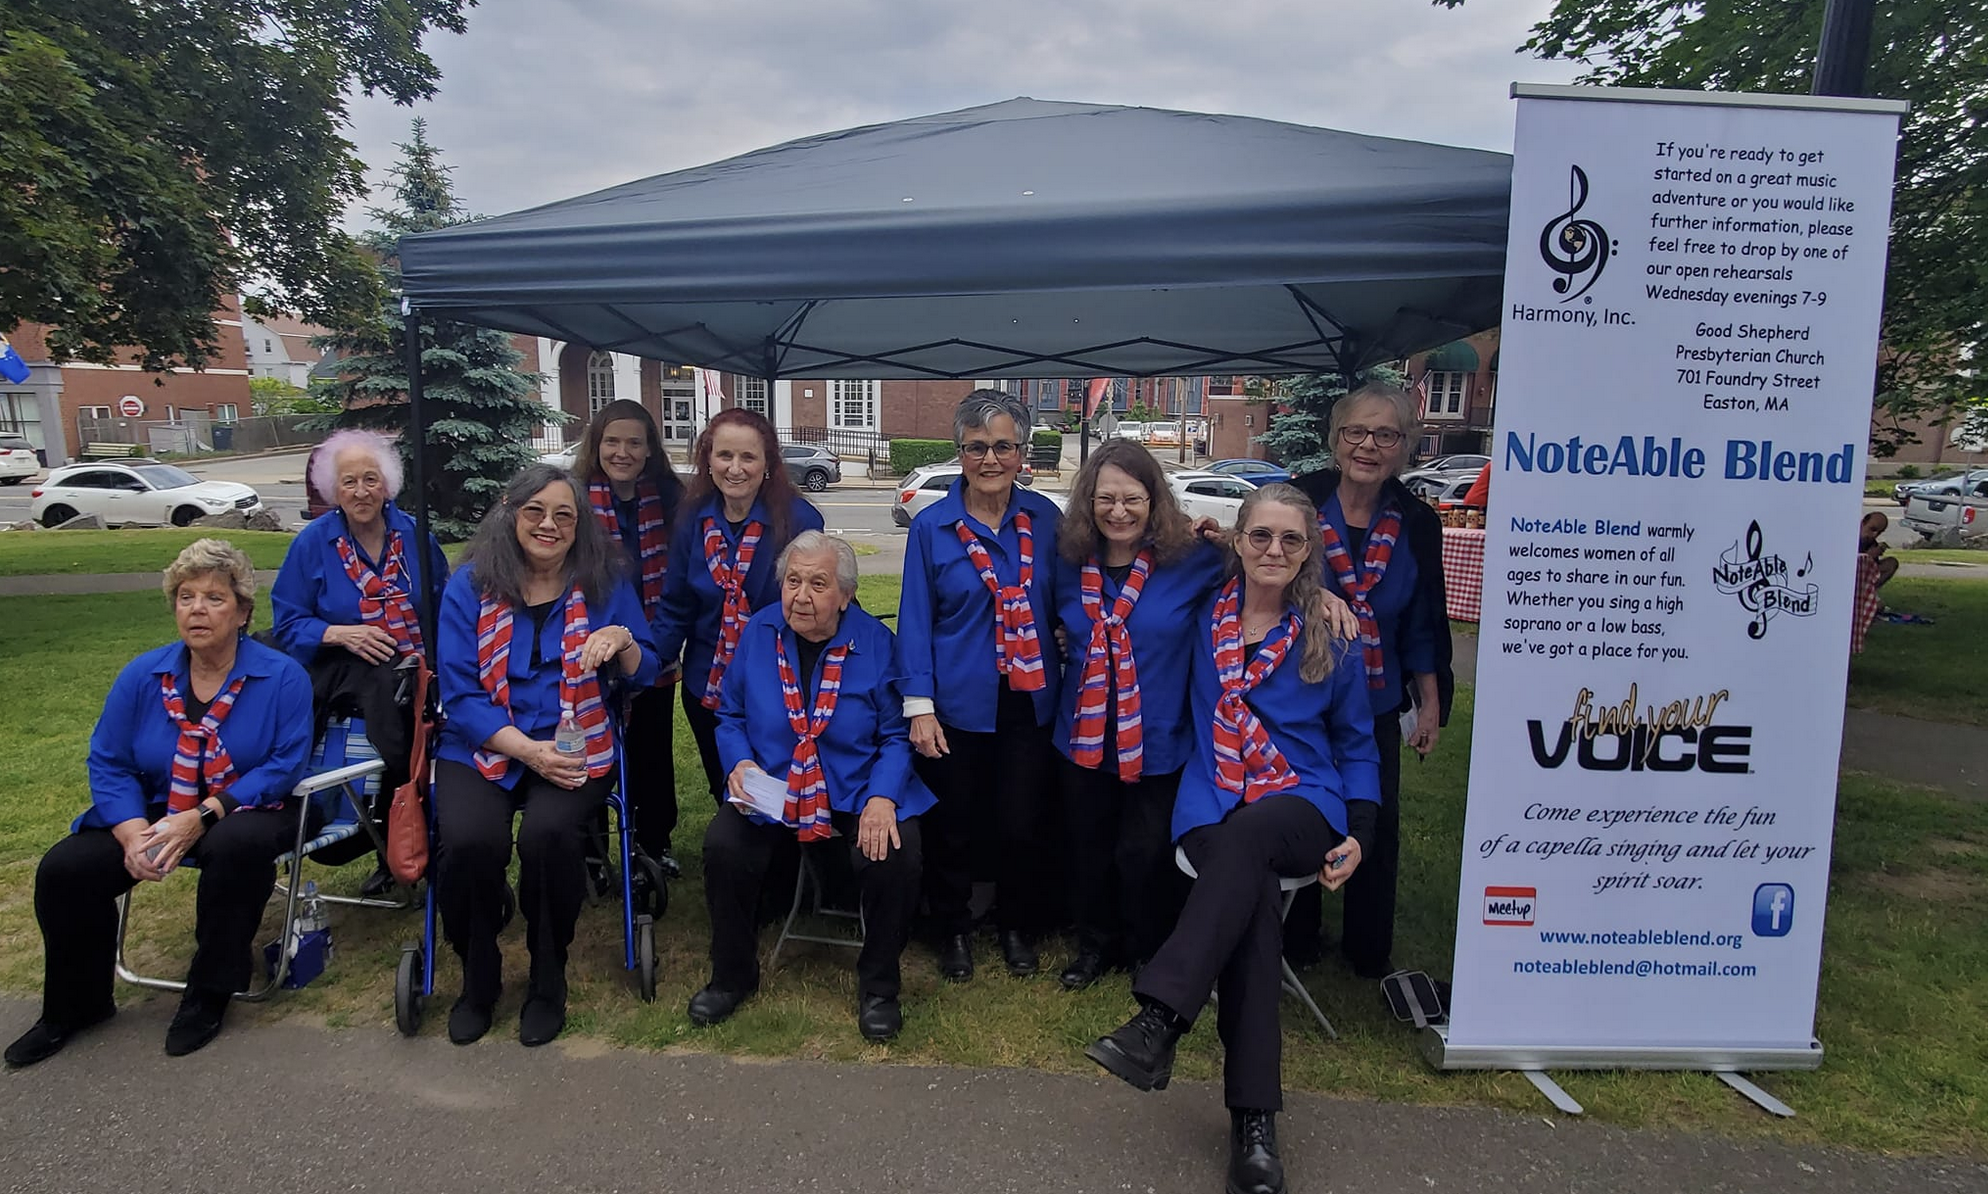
(482, 410)
(1296, 435)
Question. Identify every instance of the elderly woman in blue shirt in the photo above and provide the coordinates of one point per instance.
(1384, 555)
(975, 624)
(198, 747)
(812, 706)
(1282, 782)
(541, 605)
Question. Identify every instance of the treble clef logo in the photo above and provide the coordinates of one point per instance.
(1575, 248)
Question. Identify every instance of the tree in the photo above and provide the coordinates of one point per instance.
(482, 408)
(1931, 52)
(1296, 435)
(153, 157)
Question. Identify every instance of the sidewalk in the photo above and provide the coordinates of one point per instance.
(363, 1109)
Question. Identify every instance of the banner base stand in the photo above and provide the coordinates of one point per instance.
(1554, 1092)
(1727, 1064)
(1760, 1098)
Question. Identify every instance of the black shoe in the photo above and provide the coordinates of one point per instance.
(377, 884)
(879, 1018)
(197, 1022)
(956, 957)
(671, 868)
(1019, 953)
(1253, 1164)
(1084, 969)
(1140, 1050)
(45, 1040)
(600, 877)
(468, 1021)
(715, 1005)
(540, 1020)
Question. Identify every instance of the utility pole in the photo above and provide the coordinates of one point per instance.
(1845, 48)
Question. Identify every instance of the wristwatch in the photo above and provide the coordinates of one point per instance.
(208, 817)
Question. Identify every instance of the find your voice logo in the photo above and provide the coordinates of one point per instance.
(1761, 581)
(1576, 249)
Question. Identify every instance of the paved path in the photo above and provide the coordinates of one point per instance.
(287, 1106)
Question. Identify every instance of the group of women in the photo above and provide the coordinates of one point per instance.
(1078, 711)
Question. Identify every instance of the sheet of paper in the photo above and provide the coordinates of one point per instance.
(765, 794)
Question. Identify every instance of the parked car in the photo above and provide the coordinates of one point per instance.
(1905, 489)
(928, 483)
(18, 461)
(811, 466)
(1210, 495)
(1127, 429)
(1163, 435)
(136, 493)
(1449, 495)
(1951, 508)
(560, 457)
(1257, 472)
(1439, 474)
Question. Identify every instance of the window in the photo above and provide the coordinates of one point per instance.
(752, 395)
(224, 412)
(600, 381)
(796, 452)
(172, 414)
(1445, 393)
(267, 348)
(853, 404)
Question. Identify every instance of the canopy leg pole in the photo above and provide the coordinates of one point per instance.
(417, 430)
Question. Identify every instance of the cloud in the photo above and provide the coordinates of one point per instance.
(544, 100)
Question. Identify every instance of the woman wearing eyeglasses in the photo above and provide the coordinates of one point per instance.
(980, 675)
(1383, 553)
(1281, 781)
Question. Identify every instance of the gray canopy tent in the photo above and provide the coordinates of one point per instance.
(1017, 239)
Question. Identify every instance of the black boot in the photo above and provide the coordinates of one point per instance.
(1084, 969)
(1141, 1050)
(1253, 1164)
(197, 1022)
(956, 957)
(1019, 953)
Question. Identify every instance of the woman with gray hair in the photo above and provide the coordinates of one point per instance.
(812, 735)
(197, 750)
(980, 684)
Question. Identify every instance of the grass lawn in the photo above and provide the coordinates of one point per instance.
(42, 553)
(1940, 555)
(1904, 994)
(1937, 672)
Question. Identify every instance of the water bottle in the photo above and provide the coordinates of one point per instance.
(312, 917)
(569, 739)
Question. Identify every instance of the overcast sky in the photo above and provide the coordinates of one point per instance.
(546, 99)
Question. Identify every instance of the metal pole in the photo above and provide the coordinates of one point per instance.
(417, 430)
(1083, 423)
(1845, 48)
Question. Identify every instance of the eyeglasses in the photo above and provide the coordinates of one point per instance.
(534, 514)
(1132, 502)
(1383, 437)
(1262, 537)
(975, 449)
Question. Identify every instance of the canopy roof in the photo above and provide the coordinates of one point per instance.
(1018, 239)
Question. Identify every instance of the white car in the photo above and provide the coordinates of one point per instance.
(145, 493)
(18, 461)
(929, 482)
(1210, 495)
(560, 458)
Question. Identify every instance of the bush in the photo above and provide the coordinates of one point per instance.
(908, 454)
(1046, 437)
(1907, 472)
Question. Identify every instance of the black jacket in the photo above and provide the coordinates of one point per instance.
(1424, 532)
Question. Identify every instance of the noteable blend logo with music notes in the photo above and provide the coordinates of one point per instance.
(1760, 580)
(1575, 248)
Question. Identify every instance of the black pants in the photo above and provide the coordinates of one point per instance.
(473, 830)
(1125, 890)
(650, 740)
(996, 794)
(1229, 938)
(740, 857)
(704, 728)
(81, 876)
(1367, 931)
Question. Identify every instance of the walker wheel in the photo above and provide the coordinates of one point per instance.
(407, 997)
(645, 958)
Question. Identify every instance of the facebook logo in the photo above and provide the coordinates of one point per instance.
(1773, 910)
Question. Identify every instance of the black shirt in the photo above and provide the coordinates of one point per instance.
(539, 613)
(811, 653)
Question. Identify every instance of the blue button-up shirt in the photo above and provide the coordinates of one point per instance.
(267, 733)
(312, 592)
(1325, 731)
(1402, 610)
(946, 617)
(472, 716)
(693, 604)
(866, 748)
(1163, 628)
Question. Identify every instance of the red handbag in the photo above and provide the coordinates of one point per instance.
(407, 817)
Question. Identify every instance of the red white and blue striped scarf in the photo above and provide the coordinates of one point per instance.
(807, 785)
(729, 574)
(199, 749)
(652, 542)
(386, 598)
(1246, 760)
(1107, 659)
(579, 690)
(1355, 587)
(1017, 648)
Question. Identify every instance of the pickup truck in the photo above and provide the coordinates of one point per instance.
(1953, 511)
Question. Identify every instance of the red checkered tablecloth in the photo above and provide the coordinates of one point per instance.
(1863, 611)
(1463, 572)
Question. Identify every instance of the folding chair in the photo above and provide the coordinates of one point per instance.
(1290, 888)
(808, 875)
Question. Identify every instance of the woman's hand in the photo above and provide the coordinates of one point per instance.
(876, 830)
(1340, 863)
(369, 643)
(170, 837)
(735, 782)
(135, 836)
(1207, 528)
(604, 644)
(1340, 616)
(567, 771)
(926, 736)
(1425, 735)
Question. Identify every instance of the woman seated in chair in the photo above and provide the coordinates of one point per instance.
(198, 747)
(811, 704)
(1283, 781)
(526, 625)
(344, 600)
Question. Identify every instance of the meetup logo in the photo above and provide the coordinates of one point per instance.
(1773, 910)
(1510, 905)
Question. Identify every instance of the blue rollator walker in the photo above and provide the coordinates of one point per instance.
(414, 978)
